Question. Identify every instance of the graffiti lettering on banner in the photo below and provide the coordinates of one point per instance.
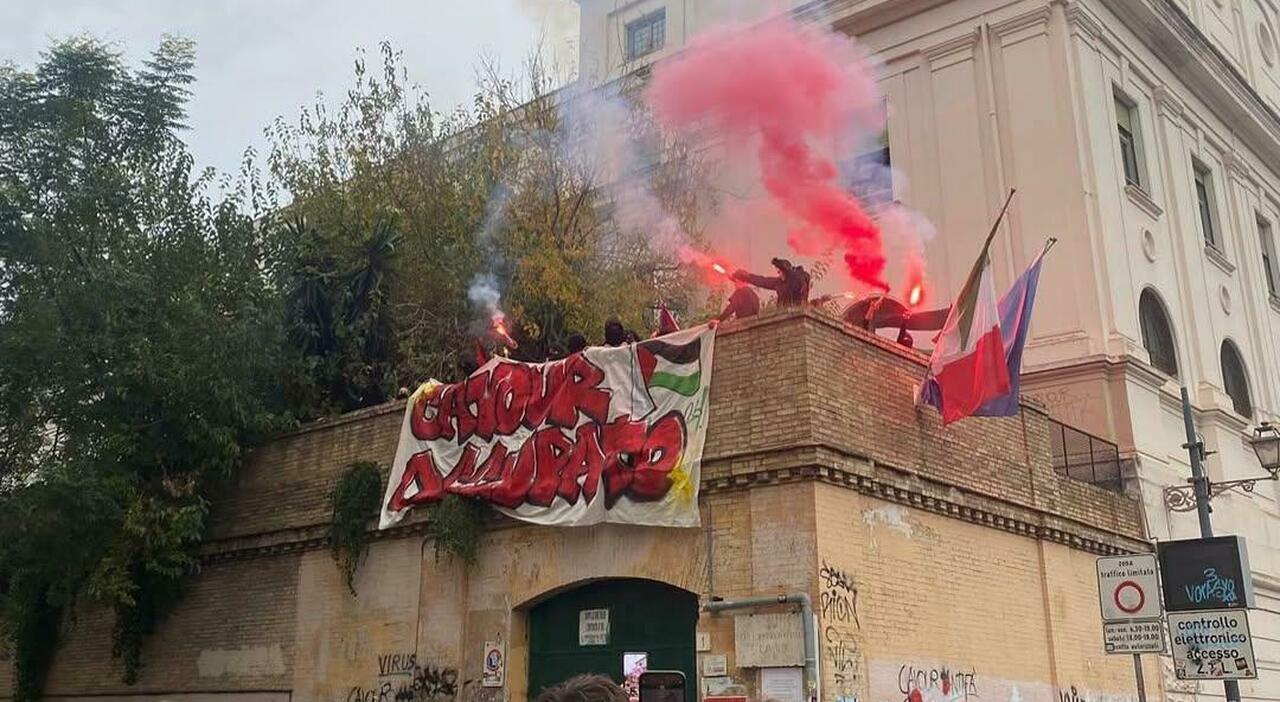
(605, 435)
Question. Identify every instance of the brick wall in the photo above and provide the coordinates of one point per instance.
(234, 629)
(965, 547)
(903, 590)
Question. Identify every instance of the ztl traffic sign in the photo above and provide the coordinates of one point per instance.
(1128, 588)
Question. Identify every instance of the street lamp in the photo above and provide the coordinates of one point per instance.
(1265, 442)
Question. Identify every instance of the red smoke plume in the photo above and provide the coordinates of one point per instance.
(799, 91)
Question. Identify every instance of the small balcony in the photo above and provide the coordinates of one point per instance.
(1085, 457)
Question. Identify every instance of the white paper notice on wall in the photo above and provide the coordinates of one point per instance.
(782, 684)
(715, 665)
(768, 640)
(593, 627)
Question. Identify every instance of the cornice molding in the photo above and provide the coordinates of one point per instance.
(1107, 367)
(1083, 21)
(1167, 104)
(1038, 17)
(1059, 338)
(951, 51)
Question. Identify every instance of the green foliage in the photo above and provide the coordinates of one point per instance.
(498, 189)
(355, 498)
(457, 525)
(137, 330)
(337, 317)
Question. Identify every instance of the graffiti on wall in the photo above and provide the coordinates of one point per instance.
(932, 681)
(842, 656)
(839, 596)
(838, 609)
(945, 681)
(1074, 693)
(402, 679)
(937, 683)
(1068, 405)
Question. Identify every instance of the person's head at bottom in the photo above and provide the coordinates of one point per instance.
(590, 687)
(614, 333)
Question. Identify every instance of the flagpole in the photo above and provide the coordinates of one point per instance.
(995, 226)
(999, 218)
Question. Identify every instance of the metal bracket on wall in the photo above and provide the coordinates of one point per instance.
(1182, 498)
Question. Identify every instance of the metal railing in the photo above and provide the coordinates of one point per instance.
(1085, 457)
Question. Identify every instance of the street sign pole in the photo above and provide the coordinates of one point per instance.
(1137, 673)
(1201, 483)
(1129, 600)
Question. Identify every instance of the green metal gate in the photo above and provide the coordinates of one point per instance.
(644, 617)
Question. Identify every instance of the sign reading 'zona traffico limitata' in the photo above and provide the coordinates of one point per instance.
(1128, 588)
(1129, 598)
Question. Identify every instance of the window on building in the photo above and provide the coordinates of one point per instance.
(1268, 244)
(1204, 204)
(1235, 381)
(647, 34)
(1157, 333)
(870, 175)
(1130, 142)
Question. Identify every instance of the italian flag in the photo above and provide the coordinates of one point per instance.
(968, 364)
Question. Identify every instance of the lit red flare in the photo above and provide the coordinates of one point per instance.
(705, 262)
(917, 293)
(499, 328)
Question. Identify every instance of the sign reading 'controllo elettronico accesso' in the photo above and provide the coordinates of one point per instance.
(605, 435)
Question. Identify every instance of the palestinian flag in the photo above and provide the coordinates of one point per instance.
(675, 367)
(968, 365)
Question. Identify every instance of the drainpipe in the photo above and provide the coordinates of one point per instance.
(806, 615)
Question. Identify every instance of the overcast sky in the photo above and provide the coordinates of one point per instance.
(258, 59)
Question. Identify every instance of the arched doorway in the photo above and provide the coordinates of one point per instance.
(644, 616)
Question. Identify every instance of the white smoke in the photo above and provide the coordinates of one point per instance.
(486, 295)
(603, 127)
(485, 292)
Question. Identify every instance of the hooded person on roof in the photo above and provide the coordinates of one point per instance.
(791, 283)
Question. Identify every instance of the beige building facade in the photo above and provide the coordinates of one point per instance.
(940, 565)
(1145, 136)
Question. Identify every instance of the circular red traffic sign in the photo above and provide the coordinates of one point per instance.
(1129, 585)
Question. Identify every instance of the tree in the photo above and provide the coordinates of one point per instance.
(499, 192)
(137, 331)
